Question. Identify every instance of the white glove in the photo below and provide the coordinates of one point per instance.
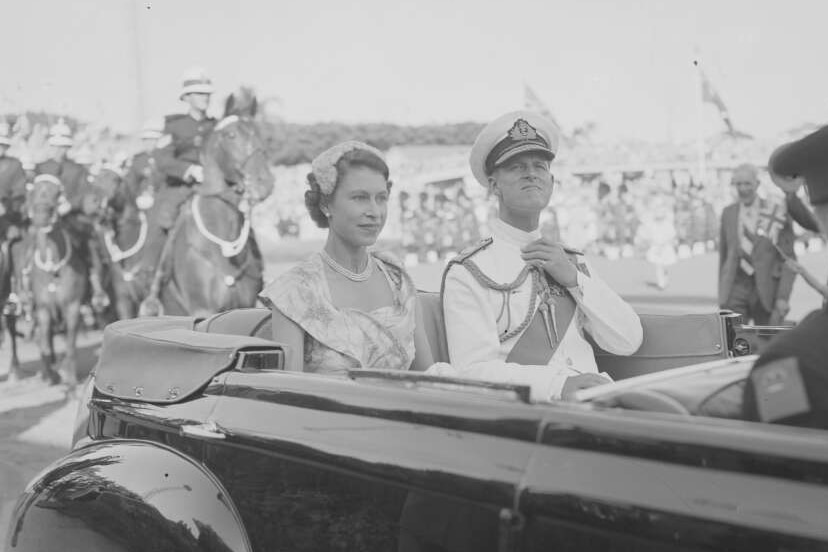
(195, 173)
(63, 205)
(144, 201)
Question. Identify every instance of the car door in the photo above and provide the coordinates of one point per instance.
(322, 463)
(616, 480)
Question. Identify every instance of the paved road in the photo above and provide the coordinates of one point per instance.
(35, 420)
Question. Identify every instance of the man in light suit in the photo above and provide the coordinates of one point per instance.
(753, 278)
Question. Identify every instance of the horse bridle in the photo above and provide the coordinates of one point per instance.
(259, 150)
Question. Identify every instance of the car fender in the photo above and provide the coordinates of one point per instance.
(126, 495)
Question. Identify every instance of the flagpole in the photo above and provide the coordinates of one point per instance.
(701, 154)
(134, 9)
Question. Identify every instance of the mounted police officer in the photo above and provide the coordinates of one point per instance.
(72, 175)
(517, 305)
(143, 178)
(177, 158)
(75, 182)
(12, 185)
(178, 151)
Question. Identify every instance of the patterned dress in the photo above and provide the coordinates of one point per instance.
(340, 339)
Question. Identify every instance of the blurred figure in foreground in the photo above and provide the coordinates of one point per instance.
(789, 382)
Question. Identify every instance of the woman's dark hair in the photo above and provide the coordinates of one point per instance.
(314, 198)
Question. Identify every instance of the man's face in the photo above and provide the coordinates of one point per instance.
(746, 184)
(59, 152)
(149, 143)
(198, 101)
(523, 183)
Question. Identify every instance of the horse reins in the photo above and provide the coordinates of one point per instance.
(228, 248)
(47, 265)
(115, 252)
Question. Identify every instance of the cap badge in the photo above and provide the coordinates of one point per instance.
(522, 130)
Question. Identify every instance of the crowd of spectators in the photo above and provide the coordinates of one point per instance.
(602, 208)
(660, 217)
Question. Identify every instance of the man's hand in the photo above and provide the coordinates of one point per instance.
(551, 257)
(795, 266)
(581, 381)
(782, 307)
(195, 173)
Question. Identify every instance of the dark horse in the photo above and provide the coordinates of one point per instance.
(123, 234)
(53, 264)
(211, 261)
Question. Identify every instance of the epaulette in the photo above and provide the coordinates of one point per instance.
(462, 257)
(471, 250)
(174, 117)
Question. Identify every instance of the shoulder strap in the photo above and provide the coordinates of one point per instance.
(461, 258)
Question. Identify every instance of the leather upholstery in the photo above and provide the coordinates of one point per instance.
(670, 340)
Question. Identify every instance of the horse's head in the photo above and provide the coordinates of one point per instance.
(111, 193)
(237, 151)
(43, 198)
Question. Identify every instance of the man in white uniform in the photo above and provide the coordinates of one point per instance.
(517, 304)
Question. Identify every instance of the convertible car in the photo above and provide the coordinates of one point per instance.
(195, 435)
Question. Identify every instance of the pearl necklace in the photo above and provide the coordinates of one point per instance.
(351, 275)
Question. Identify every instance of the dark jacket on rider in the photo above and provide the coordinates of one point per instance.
(12, 191)
(177, 151)
(143, 172)
(180, 146)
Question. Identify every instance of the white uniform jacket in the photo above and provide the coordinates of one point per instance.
(475, 316)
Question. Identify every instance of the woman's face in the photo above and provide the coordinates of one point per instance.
(359, 206)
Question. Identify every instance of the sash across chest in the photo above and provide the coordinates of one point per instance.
(547, 319)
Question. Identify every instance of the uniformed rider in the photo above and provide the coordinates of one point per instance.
(177, 158)
(73, 176)
(178, 151)
(143, 179)
(74, 180)
(517, 305)
(12, 185)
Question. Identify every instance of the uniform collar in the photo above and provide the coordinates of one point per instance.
(202, 119)
(502, 231)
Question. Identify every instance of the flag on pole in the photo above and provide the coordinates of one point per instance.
(532, 102)
(711, 96)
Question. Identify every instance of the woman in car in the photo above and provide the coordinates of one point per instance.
(347, 306)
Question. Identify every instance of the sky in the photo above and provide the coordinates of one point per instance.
(624, 65)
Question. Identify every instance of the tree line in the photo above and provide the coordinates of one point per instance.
(294, 143)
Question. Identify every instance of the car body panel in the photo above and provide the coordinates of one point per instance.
(398, 461)
(674, 504)
(126, 495)
(347, 452)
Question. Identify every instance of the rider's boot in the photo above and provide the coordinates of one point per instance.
(151, 305)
